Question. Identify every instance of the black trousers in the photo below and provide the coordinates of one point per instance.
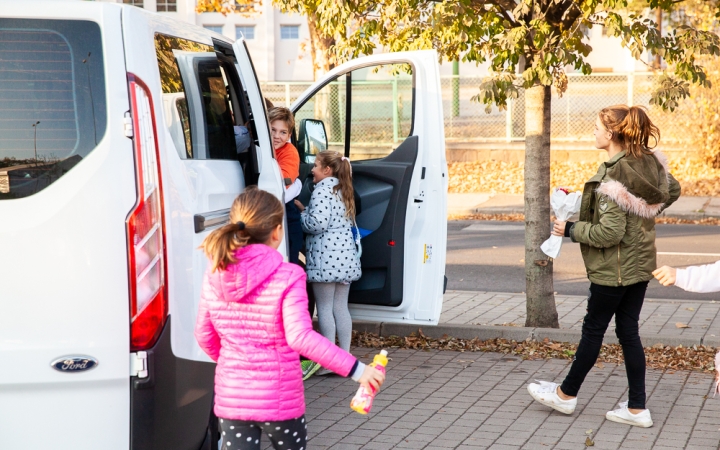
(625, 303)
(295, 232)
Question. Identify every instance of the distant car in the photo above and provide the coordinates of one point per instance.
(127, 117)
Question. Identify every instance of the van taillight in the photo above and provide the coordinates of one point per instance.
(146, 227)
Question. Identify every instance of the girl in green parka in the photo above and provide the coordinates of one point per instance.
(616, 232)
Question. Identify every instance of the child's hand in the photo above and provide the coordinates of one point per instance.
(665, 275)
(372, 377)
(299, 205)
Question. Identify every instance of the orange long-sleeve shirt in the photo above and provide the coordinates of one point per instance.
(288, 159)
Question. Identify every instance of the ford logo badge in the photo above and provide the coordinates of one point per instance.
(70, 364)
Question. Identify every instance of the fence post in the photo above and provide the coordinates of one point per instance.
(567, 115)
(287, 95)
(630, 87)
(508, 121)
(456, 89)
(395, 109)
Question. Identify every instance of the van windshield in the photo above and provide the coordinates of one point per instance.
(52, 100)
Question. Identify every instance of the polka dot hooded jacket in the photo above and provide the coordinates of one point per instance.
(331, 255)
(253, 321)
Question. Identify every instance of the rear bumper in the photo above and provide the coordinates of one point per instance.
(170, 409)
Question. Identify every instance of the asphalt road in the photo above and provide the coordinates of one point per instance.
(488, 256)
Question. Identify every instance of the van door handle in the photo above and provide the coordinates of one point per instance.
(211, 219)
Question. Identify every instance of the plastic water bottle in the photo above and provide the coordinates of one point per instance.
(363, 400)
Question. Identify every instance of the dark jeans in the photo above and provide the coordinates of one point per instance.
(295, 232)
(625, 302)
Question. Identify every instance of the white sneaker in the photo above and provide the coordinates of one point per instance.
(623, 415)
(545, 392)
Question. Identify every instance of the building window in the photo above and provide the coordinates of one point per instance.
(289, 31)
(138, 3)
(167, 5)
(247, 31)
(215, 28)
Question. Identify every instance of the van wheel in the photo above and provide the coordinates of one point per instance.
(212, 435)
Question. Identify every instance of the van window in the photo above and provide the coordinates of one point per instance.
(52, 100)
(377, 114)
(198, 111)
(382, 110)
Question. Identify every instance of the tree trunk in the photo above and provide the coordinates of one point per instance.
(319, 47)
(541, 311)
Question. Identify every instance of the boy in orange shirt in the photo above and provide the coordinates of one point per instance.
(282, 123)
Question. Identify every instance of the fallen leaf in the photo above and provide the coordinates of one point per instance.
(698, 358)
(501, 177)
(600, 365)
(681, 325)
(690, 309)
(589, 442)
(588, 432)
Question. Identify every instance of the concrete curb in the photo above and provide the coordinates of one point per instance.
(483, 333)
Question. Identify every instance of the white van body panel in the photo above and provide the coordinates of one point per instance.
(426, 220)
(186, 182)
(65, 277)
(271, 179)
(192, 186)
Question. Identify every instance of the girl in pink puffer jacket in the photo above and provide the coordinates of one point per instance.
(253, 321)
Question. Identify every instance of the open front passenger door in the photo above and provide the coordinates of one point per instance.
(384, 112)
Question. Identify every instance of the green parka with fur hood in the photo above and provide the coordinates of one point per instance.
(616, 230)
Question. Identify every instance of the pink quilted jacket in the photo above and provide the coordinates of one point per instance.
(253, 320)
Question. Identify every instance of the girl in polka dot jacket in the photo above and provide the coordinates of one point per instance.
(331, 257)
(253, 321)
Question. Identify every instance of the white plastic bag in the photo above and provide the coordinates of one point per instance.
(564, 205)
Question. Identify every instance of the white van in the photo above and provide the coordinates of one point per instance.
(117, 158)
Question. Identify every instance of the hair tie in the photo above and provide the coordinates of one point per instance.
(344, 158)
(240, 225)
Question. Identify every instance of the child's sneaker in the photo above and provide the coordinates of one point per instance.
(308, 368)
(623, 415)
(324, 372)
(545, 392)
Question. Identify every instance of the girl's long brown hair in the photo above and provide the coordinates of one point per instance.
(631, 127)
(341, 170)
(253, 217)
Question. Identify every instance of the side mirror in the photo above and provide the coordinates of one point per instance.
(312, 138)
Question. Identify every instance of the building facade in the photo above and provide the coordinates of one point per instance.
(279, 43)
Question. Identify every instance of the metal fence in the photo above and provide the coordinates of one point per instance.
(573, 114)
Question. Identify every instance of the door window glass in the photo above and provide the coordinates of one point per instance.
(381, 110)
(196, 100)
(52, 100)
(218, 112)
(329, 106)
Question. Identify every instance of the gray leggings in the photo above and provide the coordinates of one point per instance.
(331, 300)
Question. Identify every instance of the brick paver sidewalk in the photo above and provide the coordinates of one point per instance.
(452, 400)
(659, 318)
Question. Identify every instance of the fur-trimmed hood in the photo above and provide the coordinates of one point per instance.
(639, 186)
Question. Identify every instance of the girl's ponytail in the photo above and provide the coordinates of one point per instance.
(632, 128)
(253, 217)
(342, 170)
